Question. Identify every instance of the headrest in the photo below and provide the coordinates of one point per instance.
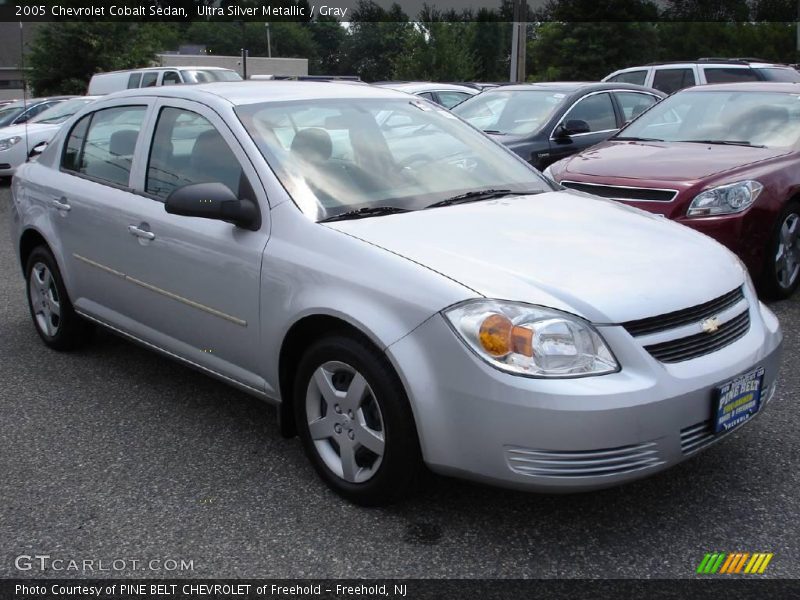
(313, 144)
(123, 142)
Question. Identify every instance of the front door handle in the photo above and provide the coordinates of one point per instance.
(60, 203)
(141, 233)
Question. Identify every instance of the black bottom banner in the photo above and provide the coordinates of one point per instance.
(397, 589)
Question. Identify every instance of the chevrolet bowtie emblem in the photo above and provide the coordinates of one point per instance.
(710, 325)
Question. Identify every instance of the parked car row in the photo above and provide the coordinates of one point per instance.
(721, 159)
(402, 300)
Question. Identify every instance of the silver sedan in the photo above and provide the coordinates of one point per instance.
(406, 291)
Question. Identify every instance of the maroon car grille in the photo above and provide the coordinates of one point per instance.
(616, 192)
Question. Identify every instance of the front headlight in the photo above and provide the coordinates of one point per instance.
(531, 340)
(6, 143)
(725, 199)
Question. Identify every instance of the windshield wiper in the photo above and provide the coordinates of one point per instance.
(636, 139)
(493, 131)
(367, 211)
(725, 143)
(476, 196)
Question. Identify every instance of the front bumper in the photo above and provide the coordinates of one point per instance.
(565, 435)
(11, 159)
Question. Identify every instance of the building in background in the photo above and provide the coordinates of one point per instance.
(256, 65)
(12, 76)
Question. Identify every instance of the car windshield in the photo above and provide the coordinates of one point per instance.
(9, 113)
(338, 156)
(61, 111)
(770, 119)
(208, 76)
(516, 112)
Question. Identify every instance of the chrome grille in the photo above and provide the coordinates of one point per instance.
(685, 316)
(590, 463)
(621, 192)
(696, 437)
(700, 344)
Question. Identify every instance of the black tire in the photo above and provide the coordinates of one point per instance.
(69, 331)
(400, 468)
(772, 285)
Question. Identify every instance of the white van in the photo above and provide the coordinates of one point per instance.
(116, 81)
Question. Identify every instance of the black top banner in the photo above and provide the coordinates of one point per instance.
(397, 10)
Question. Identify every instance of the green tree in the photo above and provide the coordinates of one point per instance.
(65, 55)
(376, 40)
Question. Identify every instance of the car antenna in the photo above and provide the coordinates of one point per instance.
(24, 87)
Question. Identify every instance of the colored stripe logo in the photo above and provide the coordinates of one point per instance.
(734, 563)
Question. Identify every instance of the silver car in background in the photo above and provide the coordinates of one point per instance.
(406, 291)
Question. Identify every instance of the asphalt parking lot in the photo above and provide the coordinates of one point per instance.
(116, 453)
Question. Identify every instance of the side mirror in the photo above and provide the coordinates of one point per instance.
(37, 149)
(573, 127)
(213, 201)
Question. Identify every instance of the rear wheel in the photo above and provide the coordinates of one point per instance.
(782, 272)
(355, 422)
(56, 322)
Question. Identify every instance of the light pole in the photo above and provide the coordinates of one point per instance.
(269, 43)
(519, 41)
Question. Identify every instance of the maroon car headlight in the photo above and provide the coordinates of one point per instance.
(725, 199)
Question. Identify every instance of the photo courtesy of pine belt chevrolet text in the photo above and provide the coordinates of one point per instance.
(409, 293)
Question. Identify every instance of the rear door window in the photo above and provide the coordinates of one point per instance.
(672, 80)
(633, 104)
(450, 99)
(150, 79)
(134, 80)
(171, 78)
(634, 77)
(729, 74)
(101, 145)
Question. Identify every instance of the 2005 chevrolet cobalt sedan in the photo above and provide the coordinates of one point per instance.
(406, 291)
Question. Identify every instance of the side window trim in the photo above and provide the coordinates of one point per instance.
(581, 99)
(145, 103)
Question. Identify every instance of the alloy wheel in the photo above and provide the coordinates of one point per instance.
(345, 422)
(45, 300)
(787, 256)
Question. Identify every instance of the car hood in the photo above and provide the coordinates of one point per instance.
(607, 262)
(667, 161)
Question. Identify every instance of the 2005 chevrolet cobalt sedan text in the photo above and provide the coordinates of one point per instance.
(402, 303)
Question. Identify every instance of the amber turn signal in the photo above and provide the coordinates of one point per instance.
(499, 336)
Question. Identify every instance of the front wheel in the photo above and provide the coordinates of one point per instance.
(355, 422)
(782, 271)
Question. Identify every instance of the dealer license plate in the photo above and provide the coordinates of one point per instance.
(738, 400)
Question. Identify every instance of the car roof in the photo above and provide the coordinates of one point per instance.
(749, 86)
(33, 101)
(191, 67)
(252, 91)
(572, 87)
(424, 86)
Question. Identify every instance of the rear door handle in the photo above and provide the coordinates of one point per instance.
(60, 203)
(141, 233)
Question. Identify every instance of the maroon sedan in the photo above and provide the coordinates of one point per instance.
(722, 159)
